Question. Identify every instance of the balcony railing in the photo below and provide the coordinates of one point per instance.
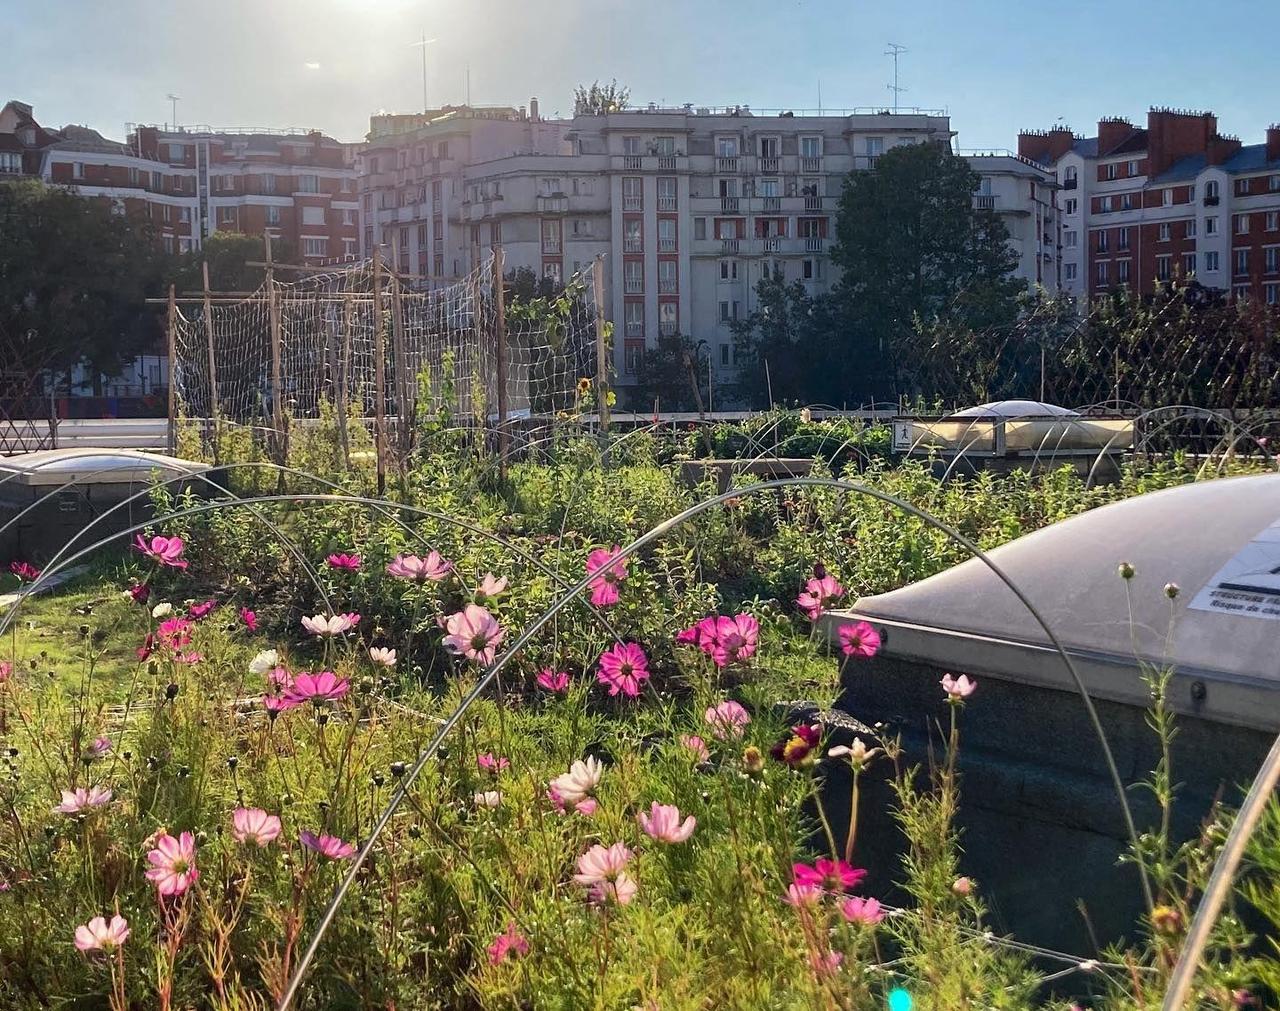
(668, 285)
(666, 163)
(769, 164)
(1070, 184)
(633, 286)
(666, 245)
(773, 203)
(771, 243)
(814, 244)
(984, 202)
(633, 245)
(635, 328)
(666, 203)
(730, 245)
(551, 247)
(633, 203)
(729, 204)
(813, 203)
(811, 163)
(1211, 201)
(668, 328)
(727, 163)
(632, 162)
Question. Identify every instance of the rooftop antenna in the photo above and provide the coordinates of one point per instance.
(173, 102)
(468, 85)
(895, 50)
(423, 46)
(819, 96)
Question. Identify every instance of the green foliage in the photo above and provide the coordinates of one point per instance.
(599, 99)
(674, 374)
(228, 255)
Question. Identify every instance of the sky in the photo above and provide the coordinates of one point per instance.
(995, 66)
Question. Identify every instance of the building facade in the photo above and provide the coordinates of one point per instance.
(1141, 206)
(1024, 195)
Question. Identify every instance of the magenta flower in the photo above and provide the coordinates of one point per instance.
(489, 762)
(174, 633)
(173, 864)
(585, 807)
(866, 912)
(618, 891)
(6, 670)
(829, 875)
(99, 935)
(140, 592)
(254, 826)
(433, 567)
(728, 720)
(276, 703)
(162, 550)
(490, 587)
(331, 625)
(663, 823)
(735, 639)
(556, 682)
(797, 749)
(198, 611)
(317, 688)
(624, 668)
(825, 965)
(820, 594)
(249, 618)
(803, 896)
(474, 633)
(99, 747)
(958, 689)
(696, 745)
(344, 562)
(329, 846)
(510, 943)
(602, 863)
(608, 572)
(859, 639)
(25, 571)
(699, 635)
(80, 800)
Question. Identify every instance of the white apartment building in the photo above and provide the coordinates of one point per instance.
(1024, 194)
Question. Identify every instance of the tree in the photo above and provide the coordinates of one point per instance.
(911, 246)
(229, 255)
(671, 373)
(73, 278)
(600, 99)
(782, 348)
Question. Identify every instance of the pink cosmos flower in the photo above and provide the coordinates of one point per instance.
(6, 670)
(585, 807)
(556, 682)
(608, 573)
(696, 745)
(490, 587)
(317, 688)
(825, 965)
(958, 689)
(331, 625)
(663, 823)
(866, 912)
(510, 943)
(173, 864)
(99, 747)
(700, 634)
(25, 571)
(624, 668)
(79, 800)
(474, 633)
(579, 783)
(602, 863)
(162, 550)
(140, 592)
(344, 562)
(489, 762)
(830, 875)
(820, 594)
(735, 639)
(174, 633)
(254, 826)
(803, 896)
(797, 750)
(728, 720)
(329, 846)
(963, 887)
(433, 567)
(249, 618)
(99, 935)
(619, 891)
(276, 703)
(859, 639)
(382, 656)
(198, 611)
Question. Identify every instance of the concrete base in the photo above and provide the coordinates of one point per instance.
(694, 472)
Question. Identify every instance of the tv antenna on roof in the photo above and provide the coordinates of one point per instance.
(173, 102)
(423, 46)
(895, 50)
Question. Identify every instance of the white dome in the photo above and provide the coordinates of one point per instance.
(108, 466)
(1016, 409)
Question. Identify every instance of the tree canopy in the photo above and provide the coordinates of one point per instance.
(599, 99)
(229, 255)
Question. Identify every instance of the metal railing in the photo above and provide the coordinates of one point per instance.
(813, 203)
(666, 245)
(727, 163)
(632, 162)
(666, 163)
(772, 203)
(633, 286)
(666, 203)
(811, 163)
(769, 164)
(730, 245)
(729, 204)
(633, 245)
(668, 285)
(633, 203)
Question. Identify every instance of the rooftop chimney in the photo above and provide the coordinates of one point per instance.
(1112, 132)
(1173, 134)
(533, 109)
(1273, 142)
(1045, 146)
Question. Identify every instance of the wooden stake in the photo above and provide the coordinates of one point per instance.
(277, 386)
(343, 396)
(379, 373)
(602, 352)
(171, 327)
(213, 366)
(500, 342)
(400, 379)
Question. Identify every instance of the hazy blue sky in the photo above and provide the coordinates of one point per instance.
(995, 65)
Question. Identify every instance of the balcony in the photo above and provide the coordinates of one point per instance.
(771, 243)
(635, 328)
(633, 203)
(814, 244)
(730, 246)
(727, 163)
(729, 205)
(769, 164)
(550, 247)
(668, 286)
(633, 245)
(668, 328)
(1211, 201)
(772, 203)
(666, 163)
(1070, 184)
(667, 245)
(632, 162)
(633, 286)
(984, 202)
(667, 203)
(811, 163)
(813, 203)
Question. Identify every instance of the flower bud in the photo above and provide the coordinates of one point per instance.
(962, 887)
(171, 691)
(1166, 920)
(752, 761)
(1171, 590)
(1126, 570)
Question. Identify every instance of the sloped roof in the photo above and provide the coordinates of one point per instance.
(1251, 158)
(1086, 147)
(83, 138)
(1183, 170)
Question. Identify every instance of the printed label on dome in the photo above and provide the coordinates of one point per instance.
(1249, 583)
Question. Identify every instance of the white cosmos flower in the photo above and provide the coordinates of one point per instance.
(579, 782)
(382, 655)
(267, 660)
(162, 609)
(330, 625)
(490, 798)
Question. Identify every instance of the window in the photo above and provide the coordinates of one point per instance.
(666, 235)
(666, 193)
(273, 215)
(437, 231)
(1122, 239)
(1070, 238)
(699, 228)
(769, 147)
(166, 213)
(315, 247)
(77, 170)
(1133, 168)
(1211, 226)
(581, 227)
(167, 242)
(632, 236)
(1273, 184)
(1070, 178)
(551, 236)
(1242, 224)
(631, 145)
(349, 250)
(184, 244)
(635, 319)
(1189, 229)
(665, 146)
(1271, 292)
(551, 271)
(1211, 262)
(668, 277)
(268, 183)
(1164, 267)
(1104, 205)
(349, 216)
(313, 215)
(811, 269)
(1163, 231)
(1072, 205)
(1103, 242)
(308, 184)
(1242, 261)
(549, 186)
(442, 150)
(436, 190)
(728, 270)
(1242, 187)
(810, 147)
(633, 351)
(1126, 201)
(632, 193)
(177, 152)
(1271, 259)
(769, 188)
(724, 312)
(727, 147)
(725, 358)
(1273, 220)
(226, 215)
(1122, 271)
(1188, 264)
(1211, 191)
(422, 236)
(668, 318)
(184, 215)
(1166, 197)
(1068, 271)
(873, 146)
(1110, 171)
(1240, 291)
(1103, 269)
(633, 277)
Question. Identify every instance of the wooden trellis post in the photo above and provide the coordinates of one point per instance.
(500, 356)
(171, 327)
(213, 365)
(379, 373)
(344, 365)
(277, 385)
(401, 380)
(602, 349)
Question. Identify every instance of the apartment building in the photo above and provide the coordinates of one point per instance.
(300, 186)
(1174, 199)
(1024, 195)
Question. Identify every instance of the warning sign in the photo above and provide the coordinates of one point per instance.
(1249, 583)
